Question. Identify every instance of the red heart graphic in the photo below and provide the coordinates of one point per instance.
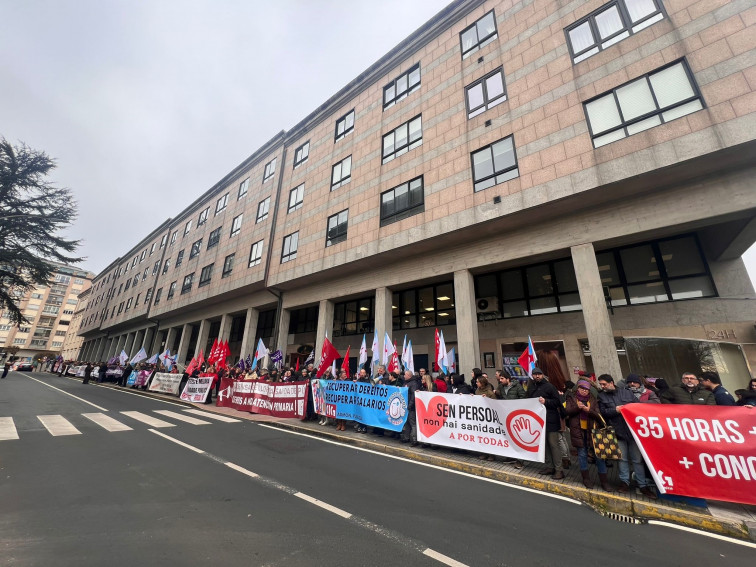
(431, 414)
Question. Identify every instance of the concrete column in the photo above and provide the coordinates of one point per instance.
(204, 333)
(325, 326)
(170, 337)
(468, 345)
(383, 318)
(597, 323)
(129, 344)
(154, 345)
(82, 352)
(183, 349)
(225, 327)
(101, 349)
(120, 344)
(137, 344)
(283, 332)
(250, 328)
(147, 338)
(90, 347)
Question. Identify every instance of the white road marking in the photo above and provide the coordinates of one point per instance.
(7, 429)
(58, 425)
(177, 442)
(143, 396)
(64, 392)
(182, 417)
(324, 505)
(446, 560)
(107, 422)
(242, 470)
(494, 481)
(148, 419)
(217, 416)
(702, 533)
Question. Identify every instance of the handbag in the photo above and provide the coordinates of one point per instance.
(605, 442)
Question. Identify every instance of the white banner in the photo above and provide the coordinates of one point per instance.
(80, 371)
(166, 383)
(509, 428)
(196, 389)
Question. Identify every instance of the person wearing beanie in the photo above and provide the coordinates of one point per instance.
(641, 393)
(582, 416)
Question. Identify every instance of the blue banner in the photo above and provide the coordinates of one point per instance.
(132, 378)
(376, 406)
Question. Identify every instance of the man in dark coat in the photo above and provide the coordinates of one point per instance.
(543, 391)
(409, 433)
(689, 391)
(87, 373)
(713, 383)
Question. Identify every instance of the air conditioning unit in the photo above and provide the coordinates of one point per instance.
(487, 308)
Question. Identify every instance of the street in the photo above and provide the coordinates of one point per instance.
(105, 483)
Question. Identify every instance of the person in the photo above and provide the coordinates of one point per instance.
(712, 382)
(639, 390)
(610, 400)
(427, 384)
(381, 376)
(440, 383)
(540, 389)
(508, 389)
(125, 374)
(747, 397)
(459, 386)
(688, 392)
(484, 387)
(6, 369)
(583, 415)
(409, 433)
(87, 373)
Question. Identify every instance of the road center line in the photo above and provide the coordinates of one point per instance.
(64, 392)
(443, 558)
(242, 470)
(324, 505)
(177, 442)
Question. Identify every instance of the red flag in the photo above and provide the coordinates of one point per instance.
(393, 365)
(345, 363)
(212, 353)
(435, 358)
(297, 368)
(223, 352)
(192, 366)
(327, 356)
(200, 359)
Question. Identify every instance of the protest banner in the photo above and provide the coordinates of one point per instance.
(509, 428)
(131, 380)
(142, 377)
(166, 383)
(278, 399)
(196, 388)
(376, 406)
(700, 451)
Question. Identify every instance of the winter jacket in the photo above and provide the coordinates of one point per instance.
(486, 391)
(722, 397)
(515, 391)
(413, 385)
(679, 394)
(573, 418)
(553, 405)
(608, 402)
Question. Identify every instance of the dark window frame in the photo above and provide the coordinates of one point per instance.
(213, 239)
(172, 289)
(287, 241)
(301, 154)
(297, 192)
(257, 260)
(338, 234)
(397, 95)
(487, 104)
(221, 204)
(206, 275)
(237, 230)
(179, 258)
(260, 218)
(506, 172)
(243, 189)
(364, 321)
(230, 259)
(400, 308)
(343, 180)
(186, 285)
(270, 170)
(203, 216)
(482, 42)
(347, 129)
(409, 210)
(407, 145)
(195, 249)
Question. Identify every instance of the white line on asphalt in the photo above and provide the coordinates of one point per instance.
(148, 419)
(494, 481)
(182, 417)
(64, 392)
(324, 505)
(107, 422)
(149, 397)
(443, 558)
(217, 416)
(700, 532)
(58, 425)
(7, 429)
(242, 470)
(177, 442)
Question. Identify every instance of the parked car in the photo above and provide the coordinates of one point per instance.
(24, 366)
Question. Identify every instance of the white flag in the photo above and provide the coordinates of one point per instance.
(123, 357)
(443, 362)
(139, 357)
(375, 347)
(363, 353)
(409, 361)
(451, 361)
(388, 350)
(404, 352)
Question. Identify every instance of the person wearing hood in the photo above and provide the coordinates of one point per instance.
(459, 386)
(641, 393)
(542, 390)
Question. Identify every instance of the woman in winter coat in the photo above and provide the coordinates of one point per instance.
(583, 416)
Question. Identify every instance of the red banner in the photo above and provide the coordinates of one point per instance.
(701, 451)
(279, 399)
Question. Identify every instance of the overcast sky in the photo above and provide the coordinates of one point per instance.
(146, 104)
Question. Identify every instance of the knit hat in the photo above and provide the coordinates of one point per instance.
(633, 378)
(537, 370)
(584, 384)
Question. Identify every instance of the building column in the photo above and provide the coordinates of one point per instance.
(169, 339)
(225, 327)
(148, 339)
(283, 332)
(383, 317)
(101, 349)
(183, 349)
(595, 314)
(325, 325)
(90, 348)
(204, 333)
(250, 328)
(468, 345)
(120, 344)
(138, 339)
(129, 344)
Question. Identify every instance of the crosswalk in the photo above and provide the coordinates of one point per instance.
(60, 426)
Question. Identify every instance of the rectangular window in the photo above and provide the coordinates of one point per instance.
(405, 137)
(144, 274)
(336, 230)
(426, 306)
(187, 227)
(205, 276)
(228, 265)
(270, 170)
(128, 303)
(236, 225)
(136, 280)
(134, 262)
(344, 125)
(220, 204)
(179, 258)
(196, 247)
(156, 267)
(289, 248)
(402, 202)
(485, 93)
(158, 293)
(174, 236)
(341, 173)
(186, 287)
(296, 198)
(243, 187)
(171, 290)
(120, 307)
(148, 295)
(141, 259)
(57, 344)
(128, 284)
(214, 238)
(162, 243)
(262, 209)
(303, 320)
(301, 154)
(400, 87)
(494, 164)
(203, 217)
(152, 251)
(479, 34)
(166, 265)
(653, 99)
(255, 253)
(611, 23)
(60, 333)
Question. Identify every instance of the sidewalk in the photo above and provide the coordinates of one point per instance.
(732, 520)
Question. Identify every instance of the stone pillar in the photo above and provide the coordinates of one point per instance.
(225, 327)
(183, 349)
(169, 339)
(101, 349)
(283, 333)
(468, 345)
(597, 323)
(204, 333)
(325, 326)
(120, 344)
(383, 318)
(250, 328)
(147, 339)
(129, 344)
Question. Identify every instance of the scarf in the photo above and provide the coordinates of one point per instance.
(585, 398)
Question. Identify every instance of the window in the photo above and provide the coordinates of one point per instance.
(400, 87)
(485, 93)
(59, 278)
(158, 293)
(301, 154)
(187, 227)
(494, 164)
(162, 243)
(128, 303)
(203, 217)
(404, 138)
(152, 251)
(289, 248)
(144, 274)
(402, 202)
(187, 285)
(195, 249)
(179, 258)
(136, 280)
(19, 341)
(344, 125)
(134, 262)
(243, 186)
(57, 344)
(426, 306)
(120, 307)
(228, 265)
(36, 296)
(171, 290)
(255, 254)
(342, 173)
(156, 267)
(270, 170)
(166, 265)
(262, 209)
(303, 320)
(479, 34)
(128, 285)
(214, 238)
(141, 259)
(174, 236)
(653, 99)
(148, 295)
(337, 228)
(205, 276)
(609, 24)
(236, 225)
(60, 333)
(220, 204)
(296, 198)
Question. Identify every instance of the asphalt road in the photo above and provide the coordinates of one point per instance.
(243, 493)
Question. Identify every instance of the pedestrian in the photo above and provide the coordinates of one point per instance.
(542, 390)
(87, 373)
(6, 369)
(507, 388)
(712, 382)
(583, 415)
(409, 433)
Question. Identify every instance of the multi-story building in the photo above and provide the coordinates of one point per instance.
(580, 172)
(49, 310)
(73, 342)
